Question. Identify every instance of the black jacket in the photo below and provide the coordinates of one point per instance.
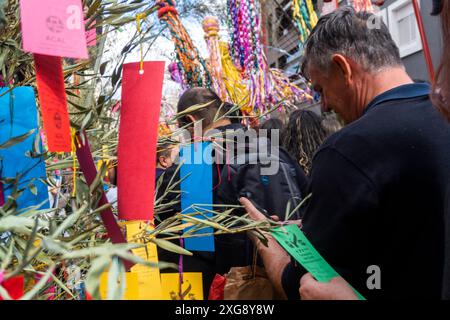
(379, 198)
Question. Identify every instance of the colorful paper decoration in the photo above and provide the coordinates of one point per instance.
(54, 28)
(267, 86)
(190, 63)
(192, 286)
(52, 98)
(304, 16)
(363, 5)
(22, 161)
(196, 189)
(292, 239)
(148, 278)
(138, 137)
(14, 286)
(211, 27)
(87, 166)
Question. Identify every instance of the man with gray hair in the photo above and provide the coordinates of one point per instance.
(376, 213)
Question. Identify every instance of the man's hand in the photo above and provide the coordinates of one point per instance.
(273, 255)
(257, 215)
(336, 289)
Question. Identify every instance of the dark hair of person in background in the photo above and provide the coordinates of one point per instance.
(234, 116)
(272, 124)
(201, 96)
(331, 125)
(303, 135)
(163, 150)
(441, 90)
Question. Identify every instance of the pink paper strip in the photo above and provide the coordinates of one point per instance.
(54, 28)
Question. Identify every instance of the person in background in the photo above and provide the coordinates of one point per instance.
(111, 193)
(441, 89)
(331, 124)
(272, 124)
(303, 135)
(165, 157)
(441, 99)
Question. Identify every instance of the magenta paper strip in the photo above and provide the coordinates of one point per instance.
(87, 166)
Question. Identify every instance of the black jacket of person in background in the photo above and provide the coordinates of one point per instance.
(234, 250)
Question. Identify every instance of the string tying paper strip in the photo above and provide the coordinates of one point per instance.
(138, 137)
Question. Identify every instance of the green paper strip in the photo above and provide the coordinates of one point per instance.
(292, 239)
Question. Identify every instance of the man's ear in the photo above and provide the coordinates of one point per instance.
(191, 118)
(343, 66)
(162, 161)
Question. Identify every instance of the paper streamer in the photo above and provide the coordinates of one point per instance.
(14, 287)
(22, 161)
(53, 27)
(292, 239)
(87, 166)
(138, 137)
(148, 278)
(196, 188)
(52, 97)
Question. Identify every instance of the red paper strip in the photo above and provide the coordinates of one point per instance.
(138, 136)
(87, 166)
(52, 97)
(14, 287)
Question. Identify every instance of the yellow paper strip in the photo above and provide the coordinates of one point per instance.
(131, 287)
(192, 286)
(148, 278)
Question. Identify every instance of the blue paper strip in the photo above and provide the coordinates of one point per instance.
(18, 115)
(196, 188)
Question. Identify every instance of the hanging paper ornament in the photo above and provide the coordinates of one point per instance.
(236, 89)
(211, 28)
(304, 16)
(266, 86)
(363, 5)
(227, 79)
(193, 68)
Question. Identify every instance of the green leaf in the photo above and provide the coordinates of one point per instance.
(16, 140)
(169, 246)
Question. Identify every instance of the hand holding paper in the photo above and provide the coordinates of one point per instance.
(336, 289)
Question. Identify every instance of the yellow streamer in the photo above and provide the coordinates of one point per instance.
(139, 17)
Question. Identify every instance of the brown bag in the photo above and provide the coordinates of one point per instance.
(248, 283)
